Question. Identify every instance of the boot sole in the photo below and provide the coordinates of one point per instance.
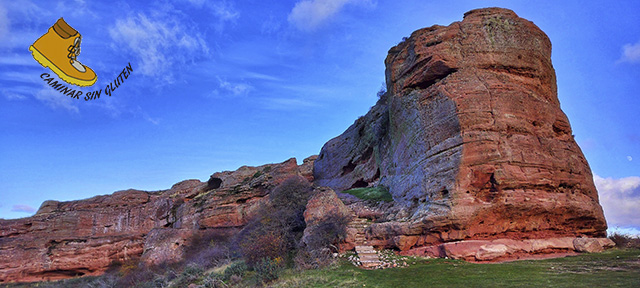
(47, 64)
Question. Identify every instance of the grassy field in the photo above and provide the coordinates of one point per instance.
(613, 268)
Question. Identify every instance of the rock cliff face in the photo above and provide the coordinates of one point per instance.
(76, 238)
(469, 139)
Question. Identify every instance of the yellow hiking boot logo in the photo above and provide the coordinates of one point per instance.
(58, 50)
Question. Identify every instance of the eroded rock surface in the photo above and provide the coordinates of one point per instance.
(76, 238)
(470, 140)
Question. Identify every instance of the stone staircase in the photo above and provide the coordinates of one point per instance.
(368, 256)
(361, 225)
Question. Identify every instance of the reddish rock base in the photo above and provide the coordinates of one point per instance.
(500, 250)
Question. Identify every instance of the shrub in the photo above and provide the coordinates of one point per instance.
(188, 275)
(236, 269)
(321, 242)
(625, 241)
(268, 269)
(329, 232)
(279, 225)
(261, 239)
(136, 276)
(382, 91)
(213, 281)
(208, 249)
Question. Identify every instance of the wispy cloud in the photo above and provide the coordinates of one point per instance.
(223, 12)
(161, 42)
(56, 100)
(20, 77)
(23, 208)
(308, 15)
(78, 7)
(630, 53)
(270, 26)
(4, 23)
(260, 76)
(18, 59)
(18, 19)
(287, 104)
(13, 96)
(226, 88)
(620, 199)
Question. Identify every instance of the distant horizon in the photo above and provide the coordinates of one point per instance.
(220, 85)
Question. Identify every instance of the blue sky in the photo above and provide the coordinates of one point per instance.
(221, 84)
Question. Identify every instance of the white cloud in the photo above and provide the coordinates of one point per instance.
(18, 59)
(287, 104)
(629, 158)
(620, 199)
(260, 76)
(226, 88)
(23, 208)
(13, 96)
(30, 18)
(222, 11)
(55, 99)
(631, 53)
(4, 23)
(161, 43)
(270, 26)
(631, 231)
(19, 77)
(308, 15)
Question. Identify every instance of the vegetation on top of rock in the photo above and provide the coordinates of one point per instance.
(379, 193)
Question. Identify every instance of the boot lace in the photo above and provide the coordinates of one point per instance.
(74, 50)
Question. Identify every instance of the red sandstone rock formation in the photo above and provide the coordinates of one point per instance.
(76, 238)
(471, 142)
(469, 139)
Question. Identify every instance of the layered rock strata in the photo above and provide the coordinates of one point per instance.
(84, 237)
(470, 141)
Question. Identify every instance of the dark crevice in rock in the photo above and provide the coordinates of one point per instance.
(438, 71)
(360, 184)
(432, 43)
(348, 168)
(366, 155)
(214, 183)
(376, 176)
(494, 183)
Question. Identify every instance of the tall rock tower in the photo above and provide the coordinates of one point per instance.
(469, 139)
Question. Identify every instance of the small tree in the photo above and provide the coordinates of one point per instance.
(279, 225)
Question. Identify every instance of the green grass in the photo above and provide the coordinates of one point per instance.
(379, 193)
(613, 268)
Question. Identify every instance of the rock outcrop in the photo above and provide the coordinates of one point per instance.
(470, 141)
(84, 237)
